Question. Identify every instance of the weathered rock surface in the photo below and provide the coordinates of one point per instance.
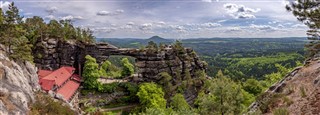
(300, 90)
(50, 54)
(18, 83)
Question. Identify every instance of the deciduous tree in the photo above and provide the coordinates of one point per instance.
(90, 73)
(151, 96)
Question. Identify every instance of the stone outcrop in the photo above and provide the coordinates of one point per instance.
(52, 54)
(18, 84)
(299, 89)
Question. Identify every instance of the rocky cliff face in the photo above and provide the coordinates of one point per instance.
(298, 92)
(51, 53)
(18, 83)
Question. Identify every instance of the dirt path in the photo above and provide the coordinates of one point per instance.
(107, 81)
(119, 108)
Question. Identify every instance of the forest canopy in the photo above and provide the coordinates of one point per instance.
(20, 34)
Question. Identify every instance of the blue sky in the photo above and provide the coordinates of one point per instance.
(170, 18)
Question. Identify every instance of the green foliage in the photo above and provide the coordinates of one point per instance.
(19, 36)
(178, 48)
(287, 101)
(280, 111)
(268, 101)
(302, 92)
(166, 82)
(307, 11)
(46, 105)
(257, 67)
(128, 68)
(151, 96)
(179, 103)
(152, 47)
(168, 111)
(109, 70)
(252, 86)
(108, 88)
(90, 110)
(90, 73)
(272, 78)
(224, 97)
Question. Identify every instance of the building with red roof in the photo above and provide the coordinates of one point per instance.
(62, 82)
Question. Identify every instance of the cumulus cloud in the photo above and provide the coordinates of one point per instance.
(107, 13)
(210, 0)
(4, 5)
(70, 17)
(210, 25)
(299, 26)
(146, 26)
(130, 23)
(50, 17)
(240, 11)
(104, 29)
(51, 10)
(263, 27)
(160, 24)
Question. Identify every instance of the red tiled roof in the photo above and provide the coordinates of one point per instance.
(69, 69)
(46, 84)
(68, 89)
(60, 75)
(43, 73)
(76, 77)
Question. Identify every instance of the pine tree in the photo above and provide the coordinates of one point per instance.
(36, 28)
(308, 12)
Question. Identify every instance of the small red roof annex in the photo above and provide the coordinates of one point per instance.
(46, 84)
(76, 77)
(43, 73)
(68, 89)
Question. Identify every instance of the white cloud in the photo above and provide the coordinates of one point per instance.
(4, 5)
(240, 11)
(50, 17)
(107, 13)
(131, 23)
(210, 24)
(263, 27)
(105, 29)
(70, 17)
(146, 26)
(210, 0)
(27, 14)
(51, 10)
(299, 26)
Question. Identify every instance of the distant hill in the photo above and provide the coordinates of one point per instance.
(158, 39)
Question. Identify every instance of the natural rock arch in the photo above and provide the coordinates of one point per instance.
(52, 54)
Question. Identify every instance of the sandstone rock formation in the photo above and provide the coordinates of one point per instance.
(18, 83)
(51, 54)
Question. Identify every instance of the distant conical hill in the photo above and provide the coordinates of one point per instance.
(158, 39)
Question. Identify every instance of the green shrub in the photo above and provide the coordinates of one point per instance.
(280, 111)
(303, 92)
(268, 100)
(287, 101)
(46, 105)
